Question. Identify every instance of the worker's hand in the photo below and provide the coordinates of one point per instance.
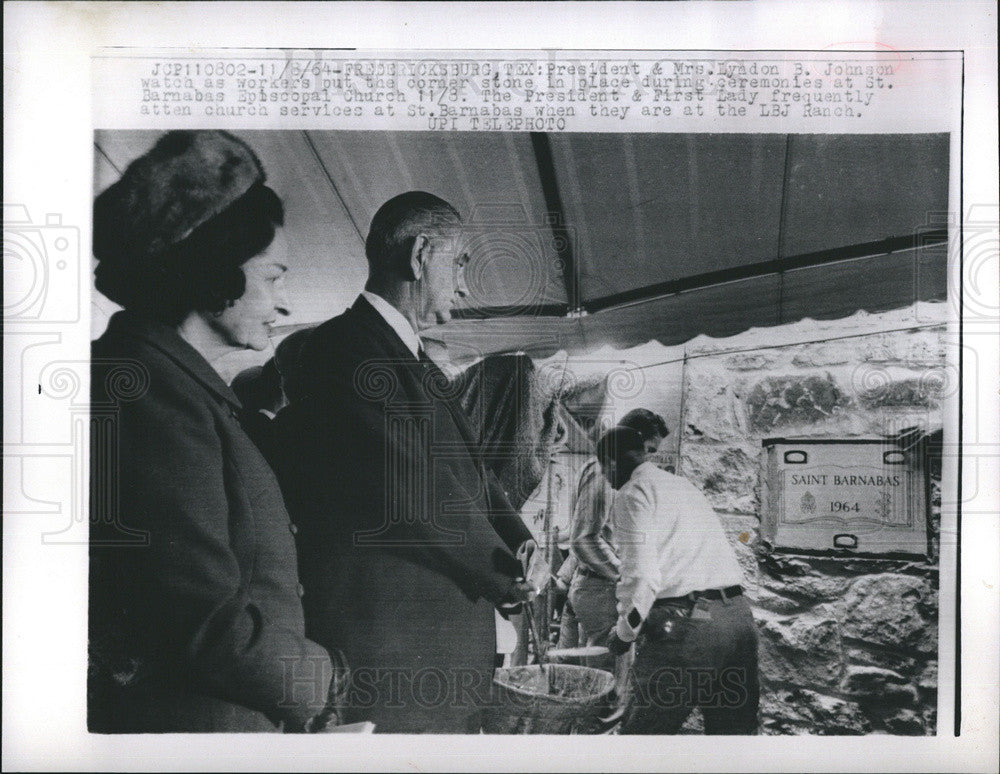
(535, 566)
(616, 645)
(518, 593)
(524, 592)
(560, 589)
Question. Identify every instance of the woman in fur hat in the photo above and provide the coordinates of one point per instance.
(195, 611)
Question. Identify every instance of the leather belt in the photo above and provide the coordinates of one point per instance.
(721, 594)
(588, 573)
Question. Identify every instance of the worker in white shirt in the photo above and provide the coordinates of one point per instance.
(592, 591)
(679, 599)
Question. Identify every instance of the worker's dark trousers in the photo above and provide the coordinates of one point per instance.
(702, 655)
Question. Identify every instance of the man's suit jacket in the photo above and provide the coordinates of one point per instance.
(405, 542)
(196, 622)
(260, 428)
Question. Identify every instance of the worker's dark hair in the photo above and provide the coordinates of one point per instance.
(645, 422)
(397, 224)
(618, 442)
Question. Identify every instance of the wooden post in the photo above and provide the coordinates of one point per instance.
(545, 621)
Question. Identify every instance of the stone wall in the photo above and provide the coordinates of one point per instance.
(848, 644)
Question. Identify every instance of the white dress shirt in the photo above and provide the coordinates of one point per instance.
(670, 543)
(395, 319)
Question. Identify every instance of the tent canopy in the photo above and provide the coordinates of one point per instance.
(581, 240)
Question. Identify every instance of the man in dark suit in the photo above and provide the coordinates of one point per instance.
(259, 390)
(406, 543)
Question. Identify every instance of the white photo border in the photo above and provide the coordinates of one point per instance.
(48, 131)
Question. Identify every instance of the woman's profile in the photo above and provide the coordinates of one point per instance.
(196, 619)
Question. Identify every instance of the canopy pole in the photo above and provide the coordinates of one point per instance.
(107, 158)
(782, 217)
(556, 218)
(681, 417)
(333, 187)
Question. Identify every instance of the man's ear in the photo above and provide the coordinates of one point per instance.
(636, 457)
(419, 254)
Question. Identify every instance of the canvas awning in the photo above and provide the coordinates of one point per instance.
(581, 240)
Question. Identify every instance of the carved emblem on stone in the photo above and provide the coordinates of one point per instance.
(884, 506)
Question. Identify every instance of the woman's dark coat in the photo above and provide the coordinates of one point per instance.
(196, 618)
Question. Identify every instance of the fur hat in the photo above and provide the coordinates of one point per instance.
(187, 178)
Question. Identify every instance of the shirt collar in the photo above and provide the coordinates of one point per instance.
(642, 470)
(396, 320)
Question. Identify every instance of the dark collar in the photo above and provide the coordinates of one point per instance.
(369, 315)
(170, 343)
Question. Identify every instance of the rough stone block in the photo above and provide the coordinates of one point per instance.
(928, 680)
(835, 353)
(794, 400)
(803, 649)
(752, 361)
(767, 600)
(858, 566)
(726, 474)
(733, 471)
(824, 622)
(780, 566)
(812, 585)
(905, 722)
(929, 715)
(888, 420)
(870, 684)
(712, 410)
(886, 659)
(921, 392)
(801, 711)
(927, 346)
(896, 611)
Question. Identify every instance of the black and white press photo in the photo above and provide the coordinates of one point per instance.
(527, 433)
(483, 387)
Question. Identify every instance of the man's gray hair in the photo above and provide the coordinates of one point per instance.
(397, 224)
